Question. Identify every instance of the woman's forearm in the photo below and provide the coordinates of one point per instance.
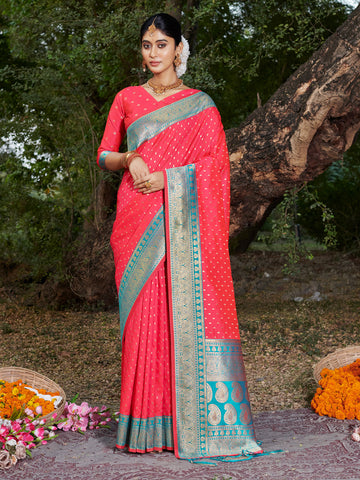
(115, 161)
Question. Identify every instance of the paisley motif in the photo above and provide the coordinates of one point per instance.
(230, 416)
(222, 392)
(237, 393)
(209, 393)
(245, 415)
(214, 416)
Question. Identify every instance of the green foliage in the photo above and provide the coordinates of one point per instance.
(37, 226)
(339, 189)
(265, 43)
(285, 224)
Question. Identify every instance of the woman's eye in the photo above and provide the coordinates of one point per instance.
(146, 47)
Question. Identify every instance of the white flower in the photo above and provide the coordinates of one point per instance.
(356, 437)
(5, 422)
(12, 442)
(181, 69)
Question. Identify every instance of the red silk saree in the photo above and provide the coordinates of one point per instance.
(183, 379)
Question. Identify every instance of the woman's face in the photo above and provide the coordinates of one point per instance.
(159, 51)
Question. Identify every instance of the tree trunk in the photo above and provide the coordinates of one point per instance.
(173, 7)
(305, 126)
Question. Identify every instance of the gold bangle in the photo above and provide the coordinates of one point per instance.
(127, 155)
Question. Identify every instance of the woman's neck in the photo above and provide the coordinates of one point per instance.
(165, 78)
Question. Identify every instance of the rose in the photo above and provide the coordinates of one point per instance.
(5, 461)
(20, 451)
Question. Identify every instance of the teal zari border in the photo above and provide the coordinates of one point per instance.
(146, 257)
(148, 126)
(142, 434)
(230, 424)
(187, 312)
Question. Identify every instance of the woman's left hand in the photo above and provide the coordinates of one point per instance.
(150, 183)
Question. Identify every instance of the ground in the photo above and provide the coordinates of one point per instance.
(288, 322)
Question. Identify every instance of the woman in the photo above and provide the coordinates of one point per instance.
(183, 382)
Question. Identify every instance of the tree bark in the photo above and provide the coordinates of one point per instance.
(305, 126)
(173, 7)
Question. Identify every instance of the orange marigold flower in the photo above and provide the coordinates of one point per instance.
(15, 398)
(339, 392)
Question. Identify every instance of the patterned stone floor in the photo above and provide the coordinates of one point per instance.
(314, 448)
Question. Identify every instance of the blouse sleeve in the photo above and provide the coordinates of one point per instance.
(114, 131)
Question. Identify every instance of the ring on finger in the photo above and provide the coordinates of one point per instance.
(147, 184)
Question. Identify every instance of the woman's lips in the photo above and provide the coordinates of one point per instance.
(154, 64)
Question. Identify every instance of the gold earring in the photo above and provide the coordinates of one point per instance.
(177, 61)
(144, 66)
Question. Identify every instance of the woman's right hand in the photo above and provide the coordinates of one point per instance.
(138, 168)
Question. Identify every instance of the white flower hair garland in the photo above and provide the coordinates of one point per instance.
(181, 69)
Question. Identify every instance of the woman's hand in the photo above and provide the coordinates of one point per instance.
(150, 183)
(138, 168)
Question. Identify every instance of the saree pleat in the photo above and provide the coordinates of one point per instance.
(145, 407)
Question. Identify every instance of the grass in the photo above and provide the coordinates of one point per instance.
(281, 339)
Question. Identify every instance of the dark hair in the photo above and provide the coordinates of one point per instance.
(164, 22)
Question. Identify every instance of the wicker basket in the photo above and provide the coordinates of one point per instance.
(35, 380)
(339, 358)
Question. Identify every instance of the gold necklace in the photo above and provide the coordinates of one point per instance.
(161, 89)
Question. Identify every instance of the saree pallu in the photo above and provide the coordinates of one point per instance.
(183, 379)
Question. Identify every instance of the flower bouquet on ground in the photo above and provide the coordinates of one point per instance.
(338, 395)
(30, 417)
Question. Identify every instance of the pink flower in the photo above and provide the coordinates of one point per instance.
(72, 408)
(84, 409)
(29, 413)
(39, 432)
(26, 437)
(95, 417)
(4, 430)
(39, 409)
(80, 424)
(30, 427)
(66, 425)
(16, 426)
